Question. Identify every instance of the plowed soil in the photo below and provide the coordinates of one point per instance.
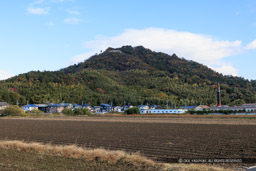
(166, 142)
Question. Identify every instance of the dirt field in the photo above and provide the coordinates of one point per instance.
(155, 138)
(187, 119)
(20, 160)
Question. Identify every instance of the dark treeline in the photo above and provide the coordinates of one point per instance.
(134, 76)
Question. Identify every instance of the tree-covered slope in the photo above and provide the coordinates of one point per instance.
(128, 75)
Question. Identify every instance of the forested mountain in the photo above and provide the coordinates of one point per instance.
(134, 75)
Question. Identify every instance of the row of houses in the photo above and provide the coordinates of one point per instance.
(54, 108)
(103, 108)
(144, 109)
(58, 108)
(247, 108)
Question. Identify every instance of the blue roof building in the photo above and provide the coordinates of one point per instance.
(106, 108)
(77, 106)
(30, 107)
(66, 105)
(55, 108)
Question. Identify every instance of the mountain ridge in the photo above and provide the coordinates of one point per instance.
(128, 75)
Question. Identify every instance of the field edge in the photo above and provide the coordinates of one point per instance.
(102, 155)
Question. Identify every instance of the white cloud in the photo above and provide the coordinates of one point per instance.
(72, 20)
(227, 69)
(73, 12)
(38, 11)
(5, 74)
(36, 7)
(251, 45)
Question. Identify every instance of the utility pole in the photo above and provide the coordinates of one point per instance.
(167, 104)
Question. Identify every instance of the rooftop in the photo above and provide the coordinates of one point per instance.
(30, 105)
(4, 104)
(106, 105)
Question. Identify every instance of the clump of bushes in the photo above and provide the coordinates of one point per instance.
(12, 111)
(133, 110)
(206, 112)
(78, 111)
(34, 112)
(67, 111)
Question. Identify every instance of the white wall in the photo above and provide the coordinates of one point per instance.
(162, 111)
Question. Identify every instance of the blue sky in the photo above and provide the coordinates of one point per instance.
(53, 34)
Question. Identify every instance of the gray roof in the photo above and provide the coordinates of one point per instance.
(41, 105)
(4, 104)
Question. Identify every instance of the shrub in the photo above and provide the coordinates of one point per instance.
(81, 111)
(13, 111)
(67, 111)
(36, 111)
(133, 110)
(78, 111)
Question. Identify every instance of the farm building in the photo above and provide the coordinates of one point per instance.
(162, 111)
(143, 107)
(30, 107)
(153, 106)
(125, 107)
(117, 108)
(201, 108)
(106, 108)
(246, 108)
(42, 107)
(55, 108)
(77, 106)
(66, 105)
(96, 109)
(3, 105)
(87, 106)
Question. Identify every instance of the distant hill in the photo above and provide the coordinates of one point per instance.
(134, 75)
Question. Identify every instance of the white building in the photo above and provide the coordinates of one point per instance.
(162, 111)
(143, 107)
(201, 108)
(117, 109)
(246, 108)
(30, 107)
(3, 105)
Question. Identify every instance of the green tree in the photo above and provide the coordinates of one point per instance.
(133, 110)
(68, 111)
(13, 111)
(81, 111)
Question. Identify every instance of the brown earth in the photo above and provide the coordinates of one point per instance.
(159, 140)
(12, 159)
(189, 119)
